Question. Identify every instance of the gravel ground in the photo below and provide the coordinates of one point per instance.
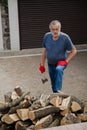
(23, 71)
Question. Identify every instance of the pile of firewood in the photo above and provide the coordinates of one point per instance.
(22, 111)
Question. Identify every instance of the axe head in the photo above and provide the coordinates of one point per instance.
(44, 80)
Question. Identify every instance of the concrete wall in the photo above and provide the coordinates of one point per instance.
(14, 24)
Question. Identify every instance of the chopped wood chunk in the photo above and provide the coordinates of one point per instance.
(23, 114)
(75, 106)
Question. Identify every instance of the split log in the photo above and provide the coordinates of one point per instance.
(85, 109)
(3, 127)
(18, 90)
(65, 103)
(64, 112)
(36, 105)
(10, 119)
(44, 100)
(7, 97)
(27, 123)
(53, 95)
(56, 122)
(2, 104)
(70, 118)
(34, 121)
(14, 103)
(39, 113)
(1, 115)
(44, 122)
(73, 98)
(0, 123)
(64, 121)
(20, 126)
(75, 107)
(82, 117)
(56, 101)
(31, 98)
(14, 96)
(32, 127)
(23, 114)
(82, 104)
(20, 106)
(28, 97)
(10, 127)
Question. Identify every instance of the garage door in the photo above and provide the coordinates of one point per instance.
(35, 15)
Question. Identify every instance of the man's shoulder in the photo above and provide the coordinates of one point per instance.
(48, 34)
(64, 34)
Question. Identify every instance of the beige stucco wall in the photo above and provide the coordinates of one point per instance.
(1, 35)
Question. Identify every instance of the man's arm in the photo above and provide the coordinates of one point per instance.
(71, 55)
(43, 57)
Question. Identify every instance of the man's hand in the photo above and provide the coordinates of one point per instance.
(62, 62)
(42, 68)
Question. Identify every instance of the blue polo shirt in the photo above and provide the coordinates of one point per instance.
(57, 49)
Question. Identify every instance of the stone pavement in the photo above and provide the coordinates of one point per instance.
(23, 71)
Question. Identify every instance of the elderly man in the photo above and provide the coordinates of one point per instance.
(56, 44)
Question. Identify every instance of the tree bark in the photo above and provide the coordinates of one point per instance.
(85, 108)
(82, 104)
(55, 123)
(7, 97)
(14, 103)
(44, 100)
(3, 127)
(18, 91)
(20, 106)
(20, 126)
(70, 118)
(82, 117)
(44, 122)
(39, 113)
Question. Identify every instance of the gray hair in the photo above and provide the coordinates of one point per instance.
(55, 22)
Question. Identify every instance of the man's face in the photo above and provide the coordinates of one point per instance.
(55, 29)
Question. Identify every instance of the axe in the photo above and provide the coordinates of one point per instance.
(44, 79)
